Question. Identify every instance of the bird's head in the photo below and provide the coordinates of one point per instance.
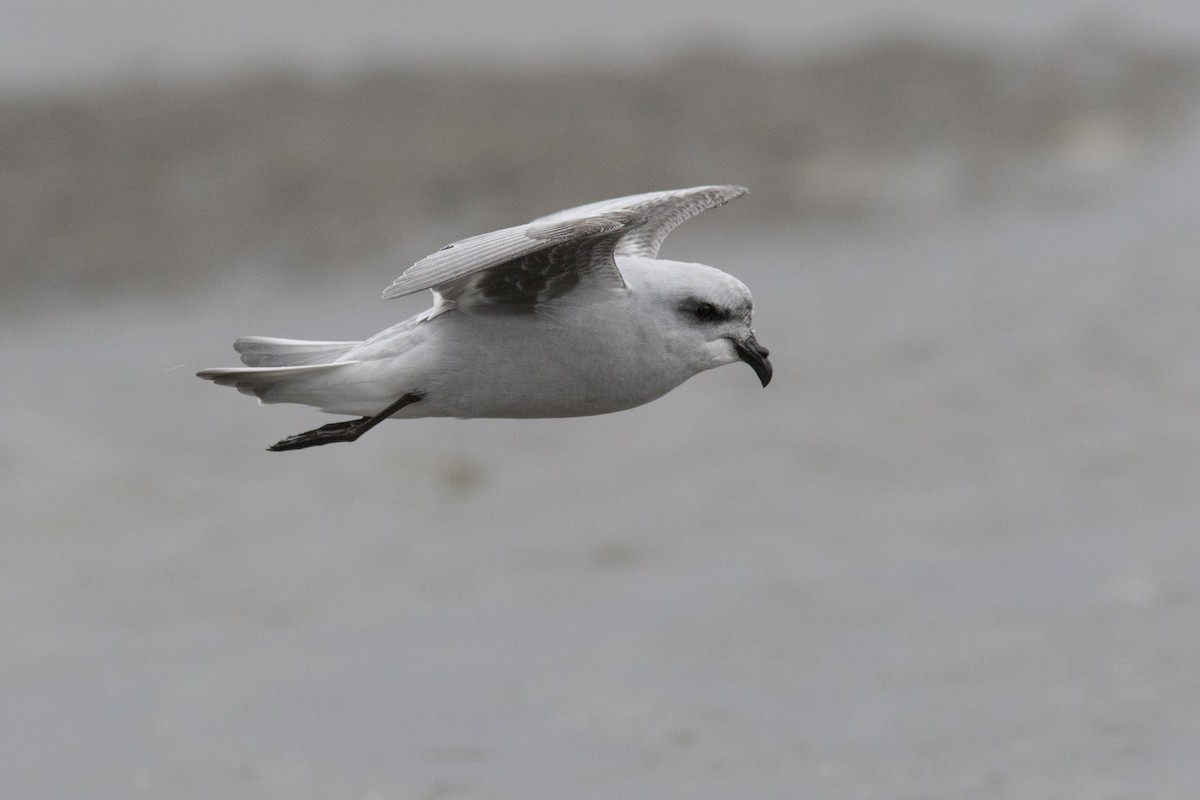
(704, 315)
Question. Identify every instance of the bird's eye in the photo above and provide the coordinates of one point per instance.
(706, 312)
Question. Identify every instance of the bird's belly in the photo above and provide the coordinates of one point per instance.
(528, 388)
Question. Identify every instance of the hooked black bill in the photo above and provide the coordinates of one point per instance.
(754, 354)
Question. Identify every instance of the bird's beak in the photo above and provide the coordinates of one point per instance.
(754, 354)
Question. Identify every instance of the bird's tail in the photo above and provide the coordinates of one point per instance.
(282, 370)
(267, 351)
(277, 384)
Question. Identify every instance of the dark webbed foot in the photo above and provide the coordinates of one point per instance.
(346, 431)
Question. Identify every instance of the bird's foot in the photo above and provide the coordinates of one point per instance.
(346, 431)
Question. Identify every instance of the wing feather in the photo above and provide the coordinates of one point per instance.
(527, 265)
(529, 282)
(662, 212)
(462, 258)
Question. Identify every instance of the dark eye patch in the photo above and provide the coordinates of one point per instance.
(707, 312)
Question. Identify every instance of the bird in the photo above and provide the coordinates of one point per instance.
(572, 314)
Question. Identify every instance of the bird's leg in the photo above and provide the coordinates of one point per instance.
(346, 431)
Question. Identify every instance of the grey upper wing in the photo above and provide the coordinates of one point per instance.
(494, 261)
(661, 213)
(522, 267)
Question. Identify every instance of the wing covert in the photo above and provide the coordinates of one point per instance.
(662, 212)
(527, 265)
(486, 251)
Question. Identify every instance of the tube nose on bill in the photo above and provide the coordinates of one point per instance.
(754, 354)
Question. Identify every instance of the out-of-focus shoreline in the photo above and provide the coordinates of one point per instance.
(161, 185)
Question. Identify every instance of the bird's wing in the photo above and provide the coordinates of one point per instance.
(524, 267)
(661, 213)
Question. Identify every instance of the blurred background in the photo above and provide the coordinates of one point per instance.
(951, 551)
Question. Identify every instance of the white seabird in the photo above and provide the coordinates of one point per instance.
(570, 315)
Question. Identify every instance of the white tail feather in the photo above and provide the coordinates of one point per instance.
(275, 384)
(267, 351)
